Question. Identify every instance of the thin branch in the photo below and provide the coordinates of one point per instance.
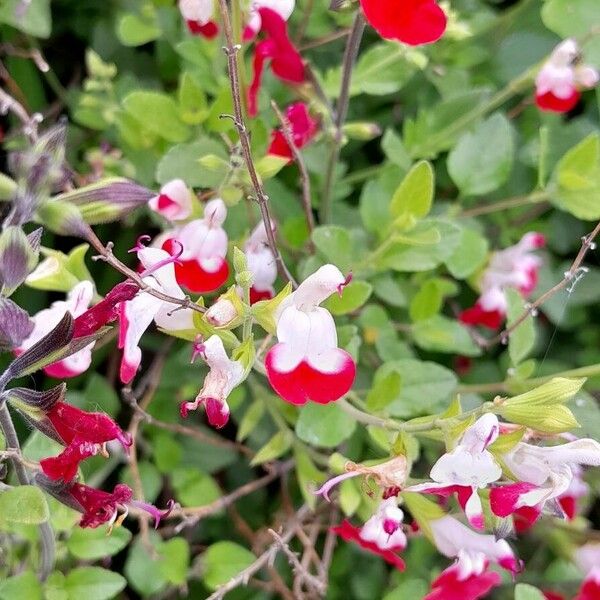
(263, 560)
(286, 129)
(570, 277)
(326, 39)
(106, 254)
(231, 50)
(9, 104)
(516, 202)
(350, 54)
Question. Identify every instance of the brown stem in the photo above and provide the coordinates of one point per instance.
(286, 129)
(231, 50)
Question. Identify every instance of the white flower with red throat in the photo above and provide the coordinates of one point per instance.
(382, 534)
(543, 474)
(283, 8)
(469, 467)
(202, 266)
(77, 302)
(224, 375)
(261, 263)
(562, 77)
(174, 202)
(307, 364)
(587, 558)
(514, 267)
(198, 16)
(135, 316)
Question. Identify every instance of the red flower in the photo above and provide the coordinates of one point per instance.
(477, 315)
(303, 129)
(286, 62)
(450, 586)
(590, 588)
(209, 30)
(349, 533)
(83, 433)
(412, 22)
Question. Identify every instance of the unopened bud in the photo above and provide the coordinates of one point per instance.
(240, 262)
(555, 391)
(18, 256)
(215, 163)
(555, 418)
(221, 313)
(63, 218)
(361, 130)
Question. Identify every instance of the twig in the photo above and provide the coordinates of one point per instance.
(299, 570)
(515, 202)
(263, 560)
(106, 254)
(304, 177)
(350, 54)
(231, 50)
(326, 39)
(569, 276)
(8, 103)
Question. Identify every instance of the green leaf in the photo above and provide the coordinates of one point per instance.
(133, 30)
(441, 334)
(469, 255)
(222, 561)
(192, 100)
(93, 583)
(24, 586)
(355, 294)
(250, 419)
(193, 487)
(36, 20)
(93, 544)
(427, 302)
(325, 425)
(183, 162)
(278, 445)
(308, 475)
(524, 591)
(335, 244)
(393, 147)
(414, 196)
(522, 340)
(482, 159)
(142, 570)
(577, 176)
(151, 479)
(386, 388)
(175, 560)
(23, 504)
(156, 113)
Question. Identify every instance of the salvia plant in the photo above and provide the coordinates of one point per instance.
(299, 299)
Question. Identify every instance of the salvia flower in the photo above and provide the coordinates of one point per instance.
(136, 315)
(307, 364)
(467, 468)
(514, 267)
(303, 129)
(382, 534)
(99, 507)
(44, 321)
(201, 267)
(261, 263)
(198, 16)
(286, 62)
(224, 375)
(412, 22)
(562, 77)
(283, 8)
(174, 202)
(543, 474)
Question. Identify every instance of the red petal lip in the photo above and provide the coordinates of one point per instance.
(476, 315)
(306, 383)
(210, 30)
(349, 533)
(504, 499)
(551, 103)
(258, 295)
(449, 587)
(413, 22)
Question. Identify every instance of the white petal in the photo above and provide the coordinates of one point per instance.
(197, 10)
(318, 287)
(461, 467)
(481, 434)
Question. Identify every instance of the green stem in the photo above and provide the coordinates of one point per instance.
(515, 202)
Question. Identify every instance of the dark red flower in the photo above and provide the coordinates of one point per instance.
(412, 22)
(476, 315)
(286, 62)
(209, 30)
(303, 129)
(350, 533)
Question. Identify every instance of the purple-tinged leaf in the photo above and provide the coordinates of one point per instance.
(15, 325)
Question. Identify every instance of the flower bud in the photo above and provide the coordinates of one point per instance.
(18, 256)
(15, 325)
(554, 418)
(556, 391)
(361, 130)
(63, 218)
(227, 311)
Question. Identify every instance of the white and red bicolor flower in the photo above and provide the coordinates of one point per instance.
(201, 267)
(261, 263)
(224, 375)
(543, 474)
(136, 315)
(412, 22)
(286, 62)
(307, 364)
(198, 16)
(99, 507)
(284, 8)
(562, 77)
(303, 128)
(474, 552)
(382, 534)
(77, 302)
(514, 267)
(174, 202)
(466, 469)
(590, 588)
